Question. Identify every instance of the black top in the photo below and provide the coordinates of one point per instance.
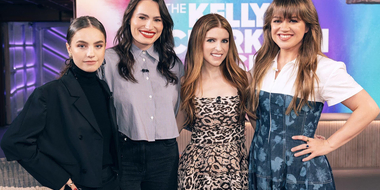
(97, 98)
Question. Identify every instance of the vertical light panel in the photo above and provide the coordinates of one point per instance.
(37, 53)
(22, 64)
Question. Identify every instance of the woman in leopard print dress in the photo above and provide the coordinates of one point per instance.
(212, 92)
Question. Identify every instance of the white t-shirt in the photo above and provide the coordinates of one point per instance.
(335, 84)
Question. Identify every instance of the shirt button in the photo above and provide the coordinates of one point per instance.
(151, 117)
(144, 52)
(147, 78)
(143, 59)
(150, 96)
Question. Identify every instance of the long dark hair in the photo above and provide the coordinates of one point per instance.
(76, 25)
(194, 62)
(164, 45)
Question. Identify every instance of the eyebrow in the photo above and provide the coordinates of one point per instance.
(293, 17)
(216, 37)
(80, 41)
(98, 42)
(148, 15)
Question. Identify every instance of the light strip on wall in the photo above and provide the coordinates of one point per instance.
(54, 51)
(57, 33)
(51, 68)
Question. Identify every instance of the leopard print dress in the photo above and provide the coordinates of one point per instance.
(216, 157)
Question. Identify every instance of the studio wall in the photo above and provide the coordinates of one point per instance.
(350, 31)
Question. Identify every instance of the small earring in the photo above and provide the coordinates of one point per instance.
(70, 55)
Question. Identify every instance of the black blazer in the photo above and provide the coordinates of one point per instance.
(56, 136)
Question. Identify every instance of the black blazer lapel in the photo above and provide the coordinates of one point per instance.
(80, 101)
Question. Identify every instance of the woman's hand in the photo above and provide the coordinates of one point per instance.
(315, 147)
(320, 137)
(71, 184)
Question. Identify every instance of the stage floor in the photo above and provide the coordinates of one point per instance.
(345, 179)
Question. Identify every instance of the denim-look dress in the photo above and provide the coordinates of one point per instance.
(271, 163)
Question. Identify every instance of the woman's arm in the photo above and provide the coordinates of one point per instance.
(364, 110)
(181, 118)
(253, 122)
(181, 114)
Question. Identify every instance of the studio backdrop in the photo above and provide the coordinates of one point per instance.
(350, 31)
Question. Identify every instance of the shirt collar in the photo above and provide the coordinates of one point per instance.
(274, 62)
(137, 51)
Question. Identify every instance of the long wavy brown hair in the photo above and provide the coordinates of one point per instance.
(307, 53)
(164, 45)
(194, 62)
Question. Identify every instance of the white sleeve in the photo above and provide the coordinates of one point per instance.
(338, 84)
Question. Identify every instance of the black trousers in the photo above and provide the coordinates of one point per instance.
(148, 165)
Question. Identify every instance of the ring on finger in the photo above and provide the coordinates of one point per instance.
(307, 140)
(307, 146)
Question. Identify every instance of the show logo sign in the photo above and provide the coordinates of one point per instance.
(246, 19)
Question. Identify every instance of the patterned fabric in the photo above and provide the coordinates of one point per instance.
(272, 165)
(216, 157)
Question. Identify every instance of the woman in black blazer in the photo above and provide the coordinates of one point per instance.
(66, 135)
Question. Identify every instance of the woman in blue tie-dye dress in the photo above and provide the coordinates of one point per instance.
(292, 80)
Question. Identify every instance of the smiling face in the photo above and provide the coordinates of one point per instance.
(146, 24)
(288, 33)
(87, 48)
(215, 46)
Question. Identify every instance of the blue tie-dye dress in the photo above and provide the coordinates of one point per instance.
(271, 163)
